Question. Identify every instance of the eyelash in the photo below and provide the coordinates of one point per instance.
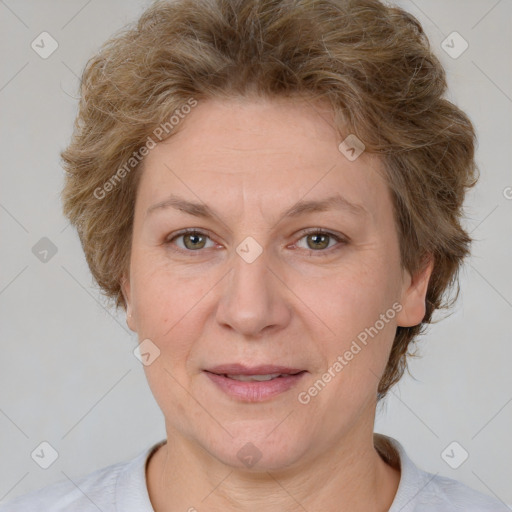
(313, 231)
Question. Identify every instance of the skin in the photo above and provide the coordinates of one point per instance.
(296, 305)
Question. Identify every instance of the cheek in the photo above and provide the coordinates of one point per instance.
(356, 305)
(351, 298)
(356, 355)
(169, 306)
(157, 292)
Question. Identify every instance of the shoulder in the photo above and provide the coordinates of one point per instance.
(421, 491)
(91, 492)
(450, 494)
(121, 484)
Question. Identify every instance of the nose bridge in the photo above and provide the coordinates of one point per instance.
(252, 297)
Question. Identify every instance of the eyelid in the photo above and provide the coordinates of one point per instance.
(340, 236)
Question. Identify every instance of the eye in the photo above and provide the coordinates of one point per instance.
(317, 240)
(193, 240)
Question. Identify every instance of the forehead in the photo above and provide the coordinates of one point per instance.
(266, 154)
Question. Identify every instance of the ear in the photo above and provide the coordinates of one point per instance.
(125, 289)
(414, 293)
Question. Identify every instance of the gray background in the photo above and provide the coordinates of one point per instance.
(67, 372)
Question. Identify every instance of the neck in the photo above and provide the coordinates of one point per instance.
(351, 476)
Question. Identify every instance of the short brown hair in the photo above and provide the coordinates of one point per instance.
(370, 61)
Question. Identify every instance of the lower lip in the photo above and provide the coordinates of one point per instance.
(255, 391)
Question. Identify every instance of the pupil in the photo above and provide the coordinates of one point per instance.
(194, 239)
(317, 237)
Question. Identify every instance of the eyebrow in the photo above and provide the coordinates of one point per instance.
(302, 207)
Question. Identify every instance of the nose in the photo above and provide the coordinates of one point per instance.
(254, 297)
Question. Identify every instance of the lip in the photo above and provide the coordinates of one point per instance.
(256, 391)
(263, 369)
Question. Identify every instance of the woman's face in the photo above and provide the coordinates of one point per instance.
(256, 287)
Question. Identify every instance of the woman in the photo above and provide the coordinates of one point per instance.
(272, 190)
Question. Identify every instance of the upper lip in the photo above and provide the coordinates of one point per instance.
(263, 369)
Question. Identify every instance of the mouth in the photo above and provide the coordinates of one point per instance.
(254, 384)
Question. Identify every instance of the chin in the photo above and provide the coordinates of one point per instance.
(263, 450)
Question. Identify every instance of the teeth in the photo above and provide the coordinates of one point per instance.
(254, 377)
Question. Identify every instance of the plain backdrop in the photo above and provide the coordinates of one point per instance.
(67, 372)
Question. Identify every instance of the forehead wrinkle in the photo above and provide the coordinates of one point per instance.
(302, 207)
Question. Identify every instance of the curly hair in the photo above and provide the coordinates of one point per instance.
(372, 63)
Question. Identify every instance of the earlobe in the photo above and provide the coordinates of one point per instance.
(414, 296)
(125, 290)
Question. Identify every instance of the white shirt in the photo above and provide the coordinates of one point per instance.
(122, 487)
